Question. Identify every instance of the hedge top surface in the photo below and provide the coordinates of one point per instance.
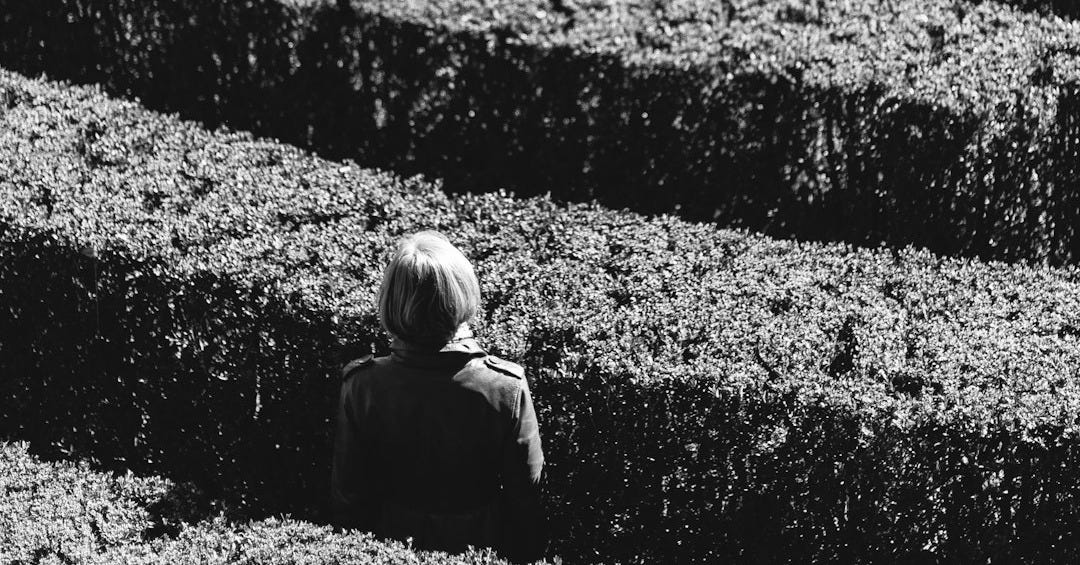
(67, 512)
(276, 541)
(973, 57)
(901, 336)
(67, 508)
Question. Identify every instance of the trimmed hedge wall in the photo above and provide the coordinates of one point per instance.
(172, 300)
(944, 124)
(69, 513)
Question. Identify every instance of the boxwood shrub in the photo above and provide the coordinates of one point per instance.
(944, 123)
(1062, 8)
(280, 542)
(69, 513)
(177, 301)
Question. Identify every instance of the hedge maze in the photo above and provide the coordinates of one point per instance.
(177, 298)
(834, 120)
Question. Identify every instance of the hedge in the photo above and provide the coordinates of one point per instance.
(66, 510)
(944, 124)
(58, 512)
(280, 542)
(1062, 8)
(177, 302)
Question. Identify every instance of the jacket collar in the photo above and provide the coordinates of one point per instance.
(454, 353)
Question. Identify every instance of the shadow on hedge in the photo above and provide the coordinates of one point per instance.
(232, 390)
(764, 151)
(1062, 8)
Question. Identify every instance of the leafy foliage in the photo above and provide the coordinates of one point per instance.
(173, 300)
(1062, 8)
(281, 542)
(69, 513)
(941, 123)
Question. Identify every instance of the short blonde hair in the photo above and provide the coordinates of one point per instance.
(428, 290)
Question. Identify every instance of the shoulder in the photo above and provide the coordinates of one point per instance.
(357, 365)
(499, 381)
(504, 367)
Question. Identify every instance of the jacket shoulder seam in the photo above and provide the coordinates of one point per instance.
(505, 367)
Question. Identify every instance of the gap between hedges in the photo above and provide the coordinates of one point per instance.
(943, 124)
(173, 299)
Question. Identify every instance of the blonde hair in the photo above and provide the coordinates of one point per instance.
(428, 290)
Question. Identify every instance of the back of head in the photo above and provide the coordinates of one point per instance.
(428, 290)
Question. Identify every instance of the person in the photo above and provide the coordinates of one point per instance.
(439, 441)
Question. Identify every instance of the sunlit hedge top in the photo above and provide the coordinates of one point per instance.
(60, 512)
(68, 510)
(966, 56)
(581, 290)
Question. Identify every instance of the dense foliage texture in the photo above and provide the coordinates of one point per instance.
(66, 511)
(944, 123)
(1063, 8)
(173, 299)
(63, 513)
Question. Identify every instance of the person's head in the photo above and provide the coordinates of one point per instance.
(428, 290)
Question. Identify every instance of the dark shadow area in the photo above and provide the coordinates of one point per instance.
(192, 380)
(768, 152)
(231, 390)
(184, 503)
(1063, 8)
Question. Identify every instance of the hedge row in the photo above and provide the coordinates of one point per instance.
(941, 123)
(173, 299)
(69, 513)
(281, 542)
(1063, 8)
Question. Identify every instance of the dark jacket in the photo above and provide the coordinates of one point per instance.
(441, 446)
